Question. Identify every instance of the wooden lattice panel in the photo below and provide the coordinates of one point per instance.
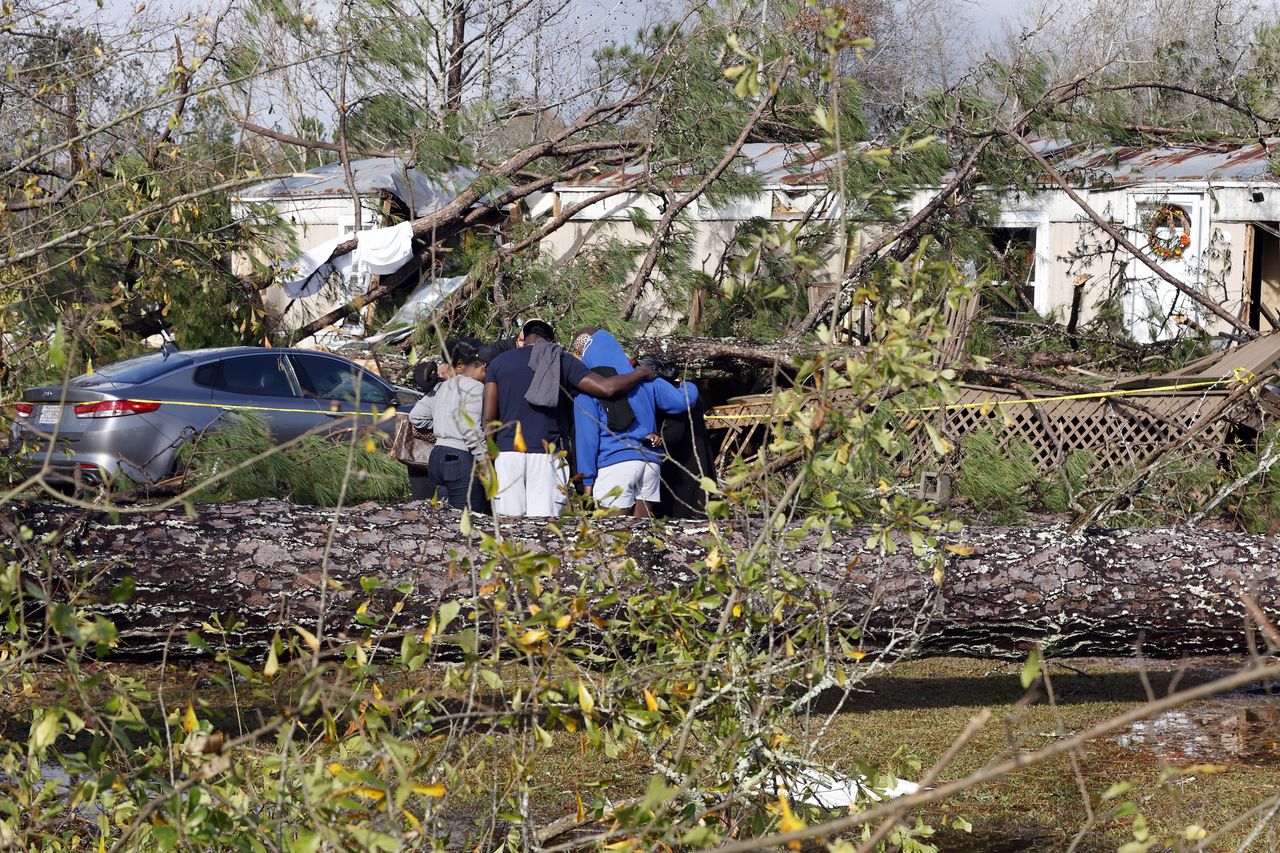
(1116, 431)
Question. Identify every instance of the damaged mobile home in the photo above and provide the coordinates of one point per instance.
(318, 206)
(1210, 217)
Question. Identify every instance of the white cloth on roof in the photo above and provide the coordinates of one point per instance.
(378, 251)
(384, 250)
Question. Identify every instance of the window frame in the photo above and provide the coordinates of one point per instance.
(219, 385)
(367, 379)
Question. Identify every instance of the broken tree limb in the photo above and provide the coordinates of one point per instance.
(839, 297)
(1169, 592)
(675, 206)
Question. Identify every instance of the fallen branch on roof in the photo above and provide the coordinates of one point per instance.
(1003, 590)
(1115, 234)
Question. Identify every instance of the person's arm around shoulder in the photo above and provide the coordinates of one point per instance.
(672, 399)
(573, 372)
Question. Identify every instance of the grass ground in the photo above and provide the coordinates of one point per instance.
(918, 708)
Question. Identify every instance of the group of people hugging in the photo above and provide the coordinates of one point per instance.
(582, 418)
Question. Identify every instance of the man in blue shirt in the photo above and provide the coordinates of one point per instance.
(617, 444)
(532, 474)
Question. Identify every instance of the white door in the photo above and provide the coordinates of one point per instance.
(1170, 229)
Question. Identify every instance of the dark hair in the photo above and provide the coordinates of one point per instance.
(541, 328)
(465, 352)
(452, 344)
(426, 375)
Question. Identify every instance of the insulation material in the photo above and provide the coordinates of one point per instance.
(420, 304)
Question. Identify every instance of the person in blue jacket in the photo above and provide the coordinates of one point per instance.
(618, 446)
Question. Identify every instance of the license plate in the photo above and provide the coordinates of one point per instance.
(50, 414)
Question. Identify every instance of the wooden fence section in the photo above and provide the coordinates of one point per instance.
(1116, 430)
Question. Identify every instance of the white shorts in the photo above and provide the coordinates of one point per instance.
(530, 484)
(623, 483)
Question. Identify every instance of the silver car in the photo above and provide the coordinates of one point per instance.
(132, 416)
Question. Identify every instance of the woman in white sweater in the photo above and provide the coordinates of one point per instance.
(453, 414)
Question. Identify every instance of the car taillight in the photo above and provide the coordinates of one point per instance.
(114, 408)
(25, 409)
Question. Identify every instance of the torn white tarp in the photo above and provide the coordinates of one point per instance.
(301, 270)
(378, 251)
(384, 250)
(827, 791)
(420, 304)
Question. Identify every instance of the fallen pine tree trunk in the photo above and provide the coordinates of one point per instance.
(1107, 592)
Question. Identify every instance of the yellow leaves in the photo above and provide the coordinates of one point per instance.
(585, 701)
(1195, 832)
(787, 821)
(564, 621)
(650, 701)
(939, 573)
(715, 560)
(1205, 769)
(336, 769)
(531, 639)
(363, 608)
(369, 444)
(434, 789)
(272, 665)
(857, 654)
(309, 638)
(960, 550)
(518, 441)
(189, 721)
(788, 647)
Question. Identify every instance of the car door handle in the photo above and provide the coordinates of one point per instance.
(338, 414)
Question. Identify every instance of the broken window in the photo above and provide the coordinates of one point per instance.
(1013, 270)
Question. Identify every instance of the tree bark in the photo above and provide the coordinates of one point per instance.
(1170, 592)
(730, 353)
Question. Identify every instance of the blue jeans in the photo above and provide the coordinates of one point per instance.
(453, 471)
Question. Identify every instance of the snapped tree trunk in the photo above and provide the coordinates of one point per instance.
(1169, 592)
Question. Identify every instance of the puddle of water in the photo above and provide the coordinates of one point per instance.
(1243, 729)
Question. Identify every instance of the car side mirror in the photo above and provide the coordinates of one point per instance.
(407, 398)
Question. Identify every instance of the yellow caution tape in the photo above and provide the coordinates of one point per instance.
(1242, 376)
(230, 407)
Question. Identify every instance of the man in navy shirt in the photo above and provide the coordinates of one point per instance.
(532, 473)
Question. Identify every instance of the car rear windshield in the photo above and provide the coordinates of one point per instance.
(132, 371)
